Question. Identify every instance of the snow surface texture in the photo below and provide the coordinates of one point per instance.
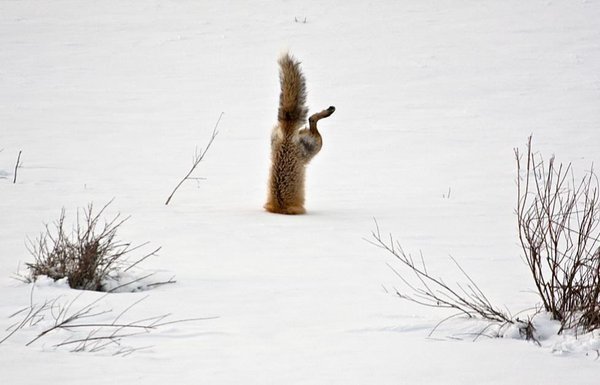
(108, 99)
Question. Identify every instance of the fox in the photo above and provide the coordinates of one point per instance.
(292, 147)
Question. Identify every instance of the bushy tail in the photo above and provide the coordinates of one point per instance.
(292, 109)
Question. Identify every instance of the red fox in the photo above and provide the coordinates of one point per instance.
(291, 147)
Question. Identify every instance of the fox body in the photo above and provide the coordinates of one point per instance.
(292, 146)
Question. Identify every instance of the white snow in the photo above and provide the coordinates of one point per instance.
(108, 99)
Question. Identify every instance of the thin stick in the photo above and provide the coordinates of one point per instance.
(197, 159)
(171, 280)
(130, 282)
(144, 257)
(17, 166)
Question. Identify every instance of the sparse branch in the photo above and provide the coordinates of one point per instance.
(130, 282)
(468, 300)
(167, 282)
(434, 292)
(197, 159)
(35, 313)
(87, 332)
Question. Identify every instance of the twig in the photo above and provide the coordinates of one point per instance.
(87, 333)
(441, 322)
(130, 282)
(129, 308)
(169, 281)
(426, 290)
(184, 320)
(143, 258)
(17, 165)
(102, 338)
(197, 159)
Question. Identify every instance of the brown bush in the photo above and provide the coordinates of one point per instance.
(87, 256)
(558, 221)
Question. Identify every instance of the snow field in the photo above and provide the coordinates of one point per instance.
(108, 100)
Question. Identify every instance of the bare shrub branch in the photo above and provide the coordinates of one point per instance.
(467, 299)
(558, 221)
(197, 159)
(88, 334)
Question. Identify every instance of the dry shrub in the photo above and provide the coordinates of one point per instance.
(558, 220)
(423, 287)
(88, 256)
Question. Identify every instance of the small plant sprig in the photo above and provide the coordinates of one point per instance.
(198, 156)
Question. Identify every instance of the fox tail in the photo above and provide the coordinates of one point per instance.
(292, 100)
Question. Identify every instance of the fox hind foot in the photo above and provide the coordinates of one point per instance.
(293, 210)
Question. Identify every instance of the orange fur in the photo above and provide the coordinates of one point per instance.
(291, 147)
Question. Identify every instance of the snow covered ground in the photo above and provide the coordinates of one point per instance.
(108, 99)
